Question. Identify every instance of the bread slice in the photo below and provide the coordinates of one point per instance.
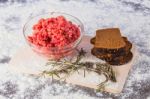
(110, 56)
(110, 46)
(109, 39)
(121, 60)
(120, 51)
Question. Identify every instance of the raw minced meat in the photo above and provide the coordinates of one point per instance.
(54, 32)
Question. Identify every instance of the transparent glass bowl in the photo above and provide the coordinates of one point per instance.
(54, 52)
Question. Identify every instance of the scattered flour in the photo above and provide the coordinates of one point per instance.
(130, 16)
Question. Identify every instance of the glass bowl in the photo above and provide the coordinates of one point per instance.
(53, 52)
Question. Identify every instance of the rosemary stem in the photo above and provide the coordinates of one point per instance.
(69, 67)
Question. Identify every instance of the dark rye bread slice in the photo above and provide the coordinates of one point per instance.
(110, 51)
(108, 56)
(110, 41)
(109, 38)
(103, 54)
(111, 47)
(121, 60)
(116, 59)
(124, 38)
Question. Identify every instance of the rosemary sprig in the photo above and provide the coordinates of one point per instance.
(68, 67)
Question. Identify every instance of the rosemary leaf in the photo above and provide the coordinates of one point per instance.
(68, 67)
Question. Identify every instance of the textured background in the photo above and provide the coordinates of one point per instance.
(131, 16)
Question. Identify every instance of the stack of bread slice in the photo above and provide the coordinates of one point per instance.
(110, 46)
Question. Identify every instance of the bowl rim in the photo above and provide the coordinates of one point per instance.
(76, 42)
